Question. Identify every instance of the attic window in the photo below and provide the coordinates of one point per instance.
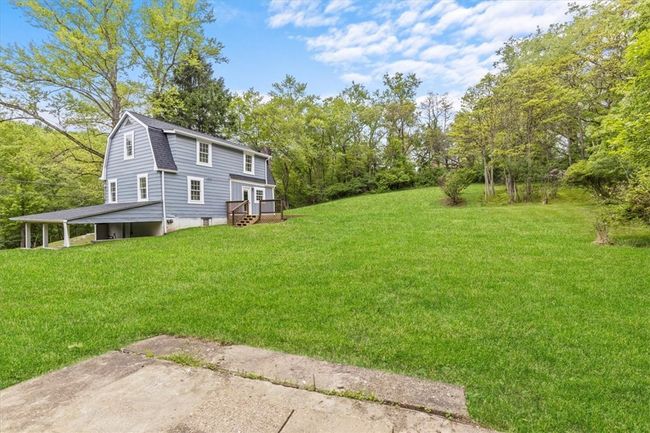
(128, 145)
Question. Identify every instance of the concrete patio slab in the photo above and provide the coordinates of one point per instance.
(312, 374)
(133, 393)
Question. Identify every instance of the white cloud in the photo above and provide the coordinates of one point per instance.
(407, 18)
(420, 68)
(356, 77)
(339, 5)
(438, 52)
(448, 45)
(299, 13)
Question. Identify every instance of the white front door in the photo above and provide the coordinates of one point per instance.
(247, 194)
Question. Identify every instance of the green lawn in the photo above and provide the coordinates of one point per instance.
(546, 331)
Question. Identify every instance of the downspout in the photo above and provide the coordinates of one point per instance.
(164, 209)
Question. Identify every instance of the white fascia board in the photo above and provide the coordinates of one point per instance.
(246, 182)
(212, 140)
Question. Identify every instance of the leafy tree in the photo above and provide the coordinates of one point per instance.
(81, 77)
(38, 173)
(400, 116)
(433, 142)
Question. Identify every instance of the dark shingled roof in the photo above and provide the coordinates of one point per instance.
(162, 125)
(161, 150)
(248, 178)
(60, 216)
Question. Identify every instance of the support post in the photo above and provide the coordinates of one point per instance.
(66, 235)
(46, 236)
(28, 235)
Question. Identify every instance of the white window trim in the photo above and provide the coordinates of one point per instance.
(198, 147)
(146, 177)
(252, 163)
(255, 200)
(110, 196)
(189, 190)
(132, 135)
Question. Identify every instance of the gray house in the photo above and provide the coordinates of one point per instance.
(159, 177)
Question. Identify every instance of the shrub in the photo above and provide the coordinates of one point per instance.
(429, 176)
(355, 186)
(603, 174)
(399, 176)
(637, 199)
(454, 183)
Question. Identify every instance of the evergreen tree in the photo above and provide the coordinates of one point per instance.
(196, 99)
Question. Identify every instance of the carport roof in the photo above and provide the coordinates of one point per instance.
(69, 215)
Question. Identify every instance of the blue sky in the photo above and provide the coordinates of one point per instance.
(449, 44)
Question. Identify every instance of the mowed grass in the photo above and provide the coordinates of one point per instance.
(546, 331)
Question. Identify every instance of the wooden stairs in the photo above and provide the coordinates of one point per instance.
(247, 220)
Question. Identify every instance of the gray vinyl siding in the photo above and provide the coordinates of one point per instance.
(126, 171)
(139, 214)
(216, 179)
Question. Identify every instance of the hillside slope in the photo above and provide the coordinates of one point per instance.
(547, 331)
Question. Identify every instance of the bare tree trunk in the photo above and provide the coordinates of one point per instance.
(511, 187)
(488, 177)
(285, 182)
(528, 195)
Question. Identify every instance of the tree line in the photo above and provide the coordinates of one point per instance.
(569, 104)
(565, 105)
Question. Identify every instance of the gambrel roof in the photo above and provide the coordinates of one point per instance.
(176, 129)
(157, 133)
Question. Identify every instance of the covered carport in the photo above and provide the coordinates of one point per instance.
(146, 217)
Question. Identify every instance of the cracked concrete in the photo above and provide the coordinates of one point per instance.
(308, 373)
(129, 392)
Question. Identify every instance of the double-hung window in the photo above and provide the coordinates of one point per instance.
(195, 192)
(249, 163)
(259, 194)
(112, 191)
(128, 145)
(203, 154)
(143, 187)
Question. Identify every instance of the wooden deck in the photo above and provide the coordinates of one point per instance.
(268, 211)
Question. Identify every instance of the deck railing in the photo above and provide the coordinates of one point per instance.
(272, 209)
(237, 210)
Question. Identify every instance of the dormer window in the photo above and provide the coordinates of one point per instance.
(203, 154)
(128, 145)
(249, 163)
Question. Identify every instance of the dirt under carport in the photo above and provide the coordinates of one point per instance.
(180, 385)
